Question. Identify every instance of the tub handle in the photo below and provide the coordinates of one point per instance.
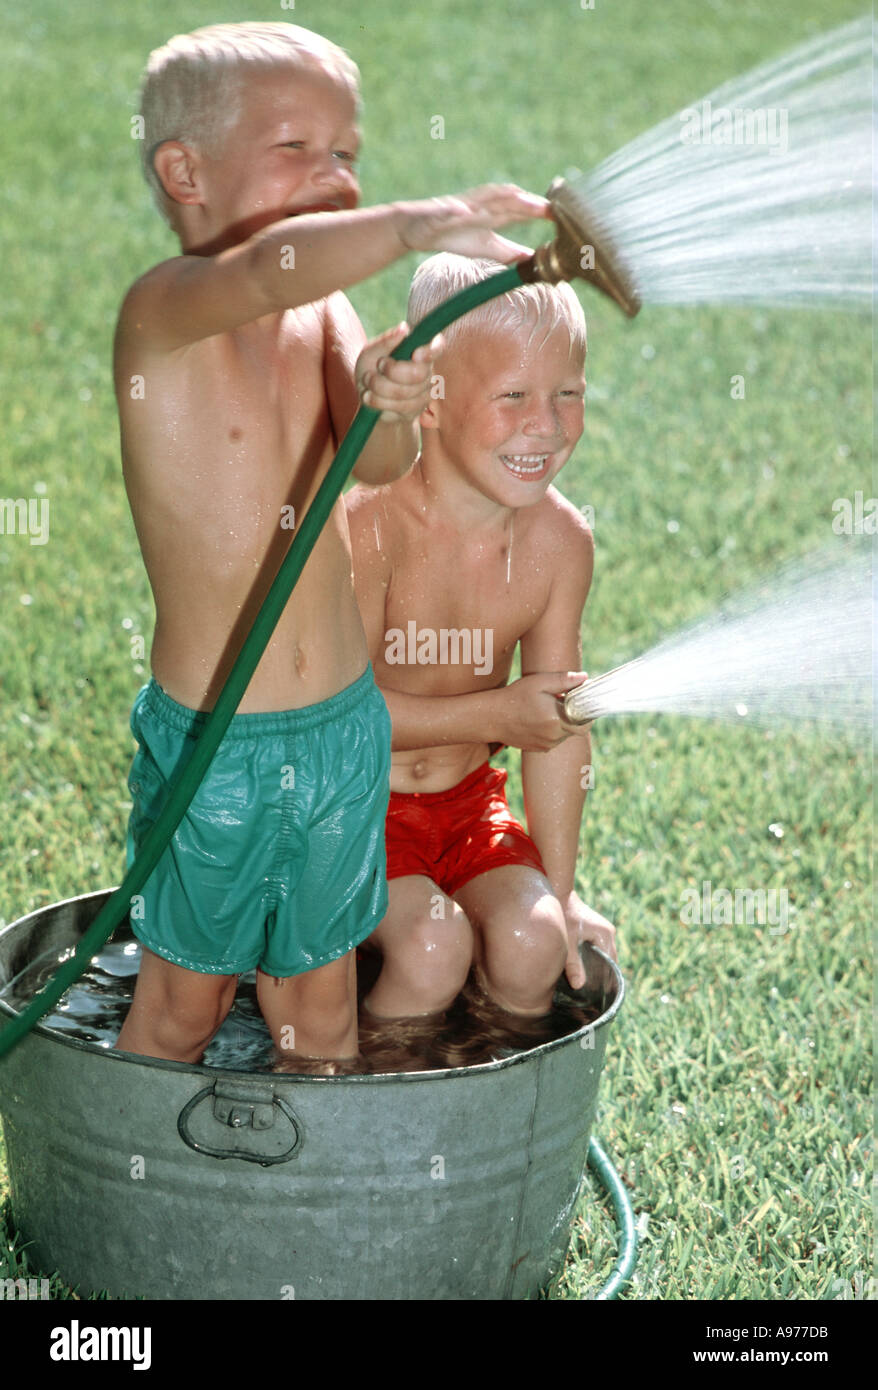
(244, 1106)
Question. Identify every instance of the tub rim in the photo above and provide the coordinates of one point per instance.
(296, 1078)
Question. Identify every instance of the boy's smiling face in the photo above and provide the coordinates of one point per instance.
(512, 413)
(292, 150)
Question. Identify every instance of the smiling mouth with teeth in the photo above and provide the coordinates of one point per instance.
(526, 465)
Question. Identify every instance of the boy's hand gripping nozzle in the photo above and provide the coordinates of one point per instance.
(587, 702)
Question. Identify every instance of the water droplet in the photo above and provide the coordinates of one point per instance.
(776, 829)
(673, 527)
(647, 352)
(742, 710)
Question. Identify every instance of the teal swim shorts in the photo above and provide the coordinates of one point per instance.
(279, 860)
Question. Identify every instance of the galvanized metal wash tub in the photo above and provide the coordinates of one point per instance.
(173, 1181)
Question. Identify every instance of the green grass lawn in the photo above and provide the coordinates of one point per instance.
(735, 1099)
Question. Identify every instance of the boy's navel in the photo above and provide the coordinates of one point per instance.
(301, 661)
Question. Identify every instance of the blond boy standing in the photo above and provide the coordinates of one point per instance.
(238, 368)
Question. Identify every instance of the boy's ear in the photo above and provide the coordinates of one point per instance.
(178, 171)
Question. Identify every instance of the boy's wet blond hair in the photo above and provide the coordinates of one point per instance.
(545, 307)
(192, 86)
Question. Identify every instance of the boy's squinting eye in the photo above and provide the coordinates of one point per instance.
(345, 156)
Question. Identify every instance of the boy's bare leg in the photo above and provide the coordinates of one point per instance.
(521, 936)
(313, 1014)
(175, 1011)
(427, 944)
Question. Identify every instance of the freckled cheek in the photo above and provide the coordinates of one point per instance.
(482, 429)
(285, 182)
(500, 430)
(263, 193)
(573, 419)
(501, 424)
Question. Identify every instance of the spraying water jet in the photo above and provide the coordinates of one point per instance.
(795, 647)
(759, 194)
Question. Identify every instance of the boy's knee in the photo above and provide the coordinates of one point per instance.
(545, 936)
(325, 1005)
(525, 958)
(317, 1026)
(426, 968)
(329, 1035)
(441, 951)
(203, 1018)
(184, 1032)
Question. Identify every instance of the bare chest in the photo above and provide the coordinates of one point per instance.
(254, 394)
(460, 612)
(264, 386)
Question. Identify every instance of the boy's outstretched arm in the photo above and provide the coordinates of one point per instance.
(553, 783)
(303, 259)
(525, 714)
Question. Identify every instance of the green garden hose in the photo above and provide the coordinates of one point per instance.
(627, 1257)
(189, 778)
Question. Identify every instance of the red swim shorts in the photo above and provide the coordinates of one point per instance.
(455, 835)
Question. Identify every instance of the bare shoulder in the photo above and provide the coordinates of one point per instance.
(561, 530)
(360, 503)
(371, 513)
(373, 555)
(341, 318)
(140, 310)
(566, 548)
